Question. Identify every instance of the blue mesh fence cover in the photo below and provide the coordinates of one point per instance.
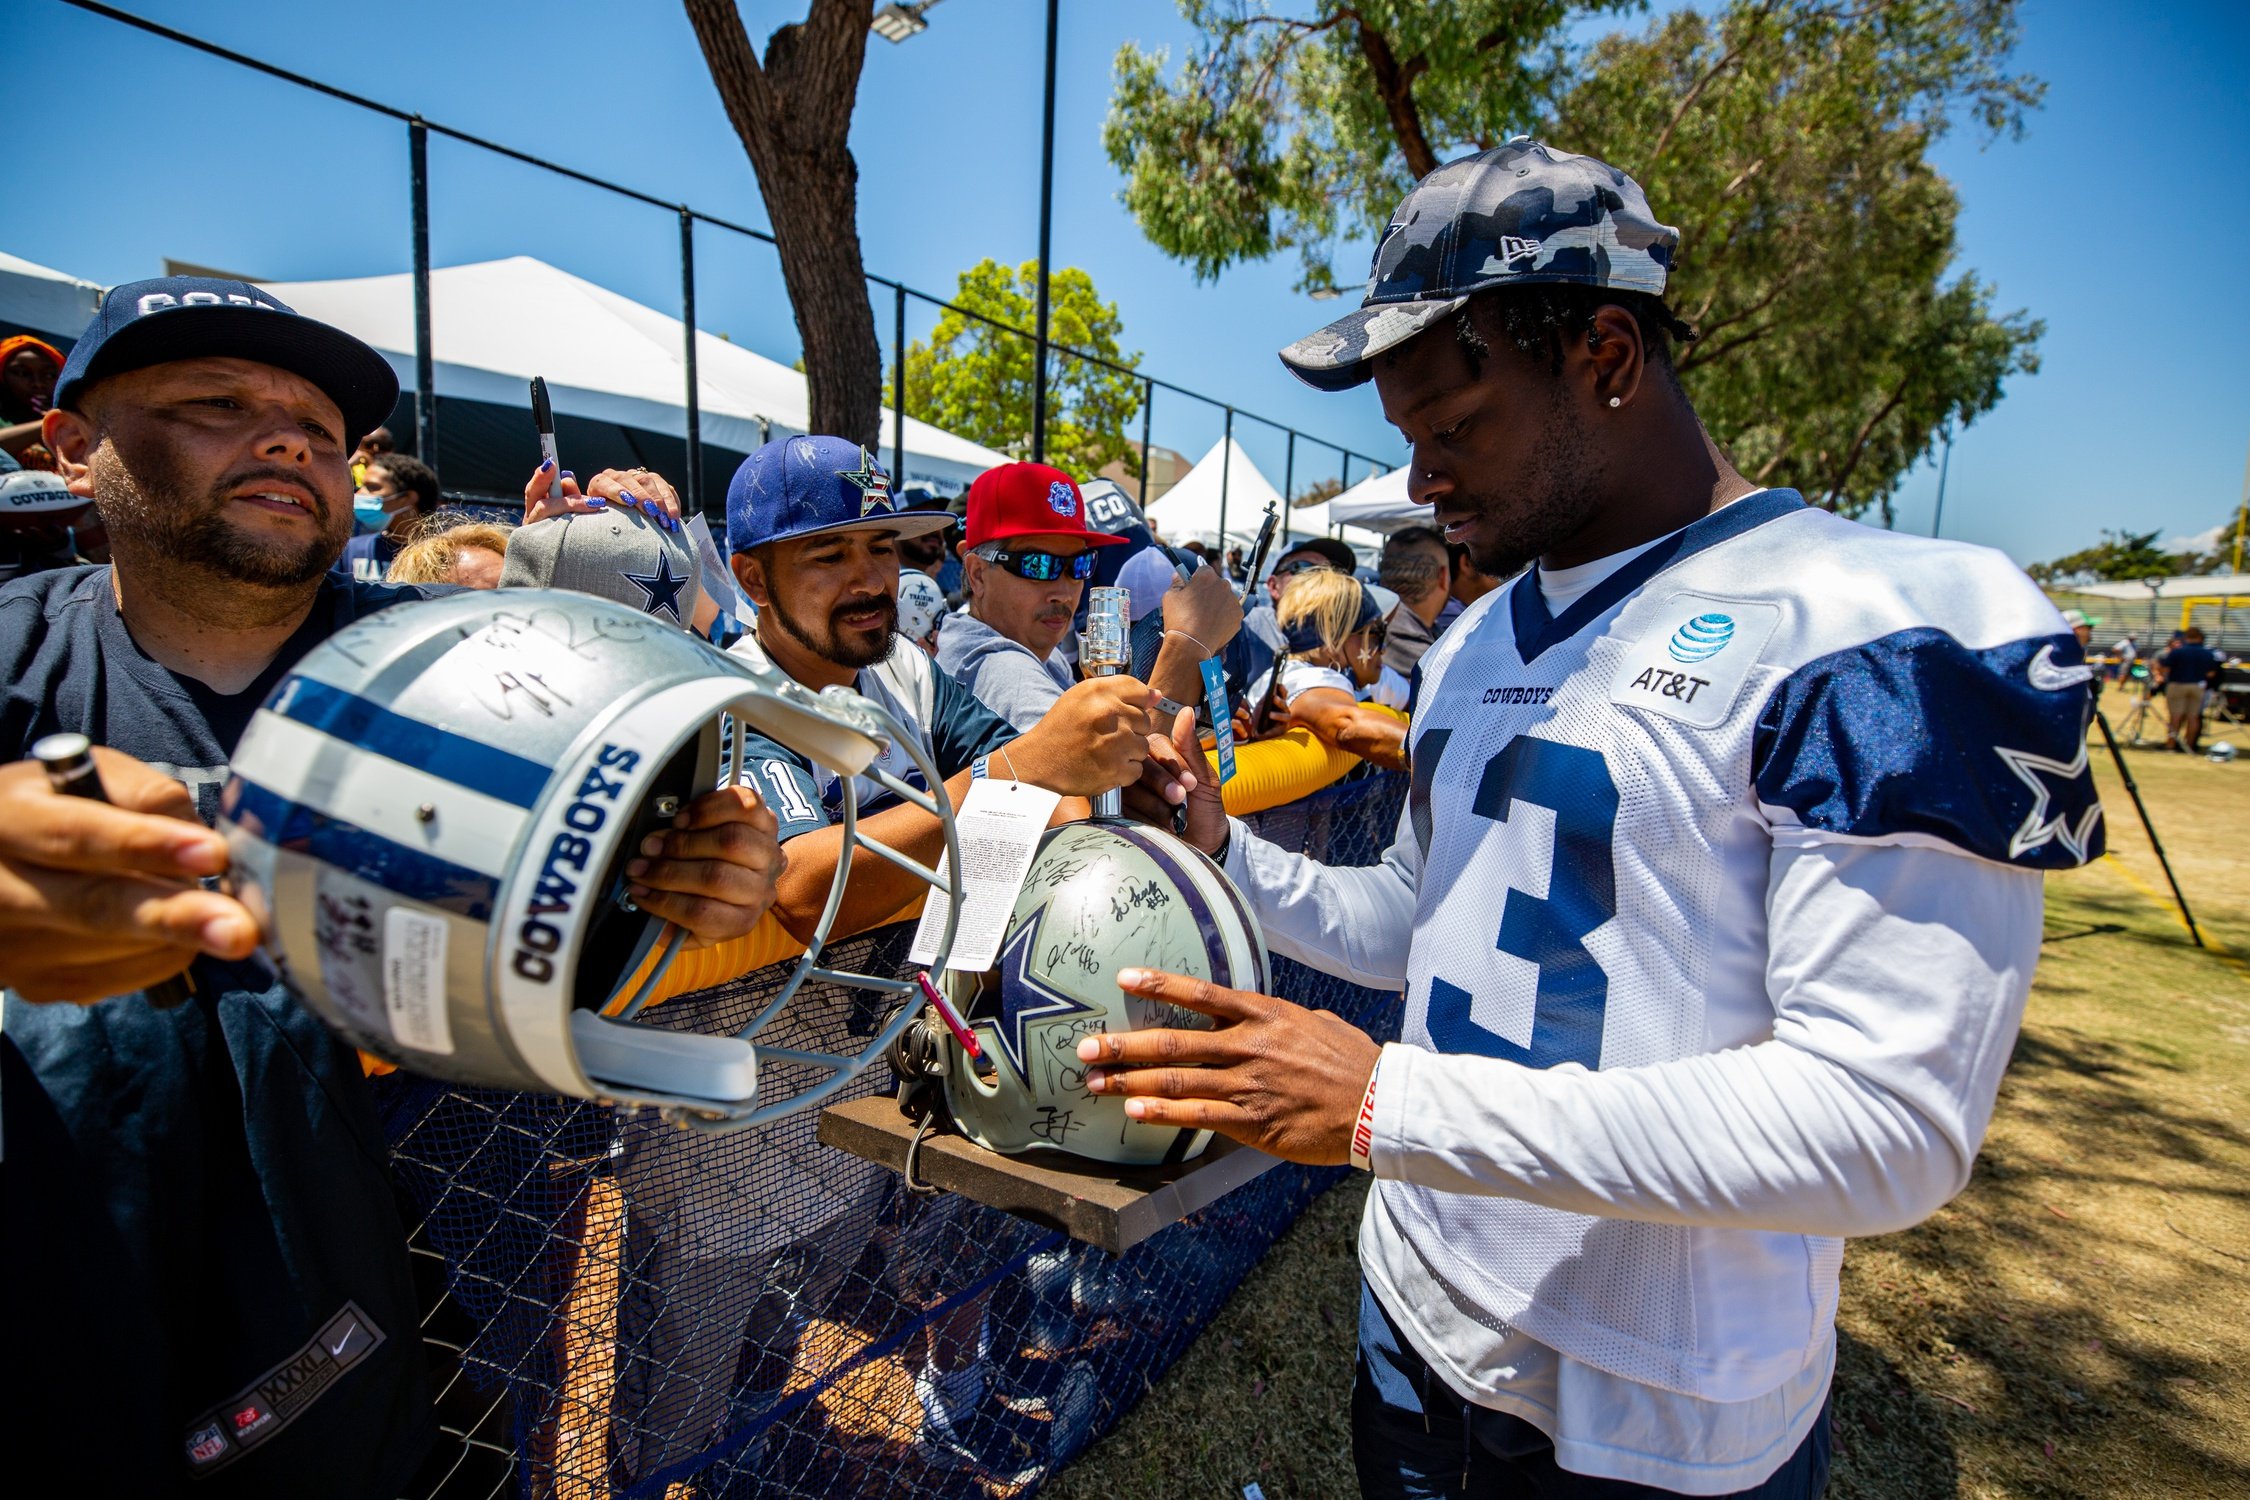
(622, 1308)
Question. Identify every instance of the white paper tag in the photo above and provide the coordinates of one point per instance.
(1692, 661)
(414, 979)
(1000, 823)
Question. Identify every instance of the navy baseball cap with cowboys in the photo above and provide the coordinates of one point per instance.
(145, 323)
(801, 486)
(1521, 212)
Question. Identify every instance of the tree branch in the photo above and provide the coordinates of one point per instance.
(1859, 443)
(1695, 90)
(1394, 84)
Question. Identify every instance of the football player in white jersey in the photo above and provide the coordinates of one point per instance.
(1715, 904)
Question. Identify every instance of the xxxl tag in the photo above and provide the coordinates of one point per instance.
(1222, 719)
(1693, 659)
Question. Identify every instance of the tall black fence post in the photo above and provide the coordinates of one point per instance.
(898, 388)
(1046, 228)
(425, 362)
(1226, 467)
(1148, 406)
(1343, 483)
(1288, 488)
(694, 381)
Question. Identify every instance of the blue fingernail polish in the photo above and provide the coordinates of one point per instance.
(545, 464)
(596, 500)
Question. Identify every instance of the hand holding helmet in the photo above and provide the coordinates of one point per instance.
(1269, 1074)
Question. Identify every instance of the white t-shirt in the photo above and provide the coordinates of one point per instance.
(1299, 677)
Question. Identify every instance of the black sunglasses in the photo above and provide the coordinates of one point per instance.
(1301, 565)
(1043, 567)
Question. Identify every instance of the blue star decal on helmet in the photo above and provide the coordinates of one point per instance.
(662, 588)
(1025, 996)
(873, 484)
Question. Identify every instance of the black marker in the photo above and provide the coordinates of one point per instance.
(543, 417)
(1258, 553)
(69, 760)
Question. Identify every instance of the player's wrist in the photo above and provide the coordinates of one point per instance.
(1360, 1146)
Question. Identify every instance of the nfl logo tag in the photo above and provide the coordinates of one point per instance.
(1060, 500)
(206, 1444)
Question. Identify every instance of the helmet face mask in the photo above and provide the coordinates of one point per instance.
(432, 815)
(1098, 897)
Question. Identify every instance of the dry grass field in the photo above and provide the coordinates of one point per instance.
(2075, 1324)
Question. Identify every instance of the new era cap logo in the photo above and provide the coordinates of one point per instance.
(1514, 248)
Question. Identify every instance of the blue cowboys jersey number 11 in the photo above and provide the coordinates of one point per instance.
(1624, 1022)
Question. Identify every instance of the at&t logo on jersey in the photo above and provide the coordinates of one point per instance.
(1694, 657)
(1701, 638)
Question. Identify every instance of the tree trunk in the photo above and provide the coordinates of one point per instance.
(794, 115)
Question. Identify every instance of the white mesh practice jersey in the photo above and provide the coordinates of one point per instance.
(1606, 811)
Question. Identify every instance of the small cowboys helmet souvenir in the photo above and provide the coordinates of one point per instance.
(1098, 897)
(431, 818)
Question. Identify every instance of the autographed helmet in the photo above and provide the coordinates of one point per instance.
(431, 818)
(1098, 897)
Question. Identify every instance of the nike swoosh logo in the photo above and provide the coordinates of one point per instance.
(2049, 678)
(342, 1344)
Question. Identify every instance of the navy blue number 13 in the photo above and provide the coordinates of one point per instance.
(1574, 784)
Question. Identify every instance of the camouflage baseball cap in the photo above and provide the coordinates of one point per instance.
(1520, 212)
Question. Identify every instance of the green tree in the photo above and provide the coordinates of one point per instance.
(2119, 557)
(1787, 138)
(975, 379)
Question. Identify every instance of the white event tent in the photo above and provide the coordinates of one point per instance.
(1223, 479)
(606, 358)
(1378, 503)
(44, 300)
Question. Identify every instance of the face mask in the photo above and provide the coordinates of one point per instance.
(370, 512)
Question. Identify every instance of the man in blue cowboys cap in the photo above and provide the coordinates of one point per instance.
(1715, 903)
(814, 537)
(201, 1240)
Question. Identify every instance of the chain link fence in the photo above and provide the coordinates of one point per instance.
(619, 1308)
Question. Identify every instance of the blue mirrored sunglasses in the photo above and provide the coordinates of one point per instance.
(1043, 567)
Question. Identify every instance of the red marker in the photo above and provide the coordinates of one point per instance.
(950, 1016)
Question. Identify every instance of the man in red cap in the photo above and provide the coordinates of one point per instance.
(1025, 561)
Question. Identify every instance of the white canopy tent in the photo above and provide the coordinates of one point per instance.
(45, 300)
(1223, 479)
(495, 324)
(1378, 503)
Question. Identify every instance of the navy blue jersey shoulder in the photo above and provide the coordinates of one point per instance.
(1915, 734)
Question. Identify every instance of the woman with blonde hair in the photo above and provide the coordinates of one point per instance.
(1334, 633)
(469, 554)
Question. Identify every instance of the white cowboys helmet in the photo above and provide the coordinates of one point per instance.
(432, 814)
(1099, 897)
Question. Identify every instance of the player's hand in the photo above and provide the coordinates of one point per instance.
(1093, 739)
(1204, 608)
(100, 899)
(713, 871)
(1270, 1074)
(1179, 774)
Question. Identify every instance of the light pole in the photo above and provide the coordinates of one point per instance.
(1943, 464)
(1046, 228)
(895, 23)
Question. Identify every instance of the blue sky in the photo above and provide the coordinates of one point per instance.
(2119, 218)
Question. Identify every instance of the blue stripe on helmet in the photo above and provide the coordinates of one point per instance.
(406, 872)
(369, 726)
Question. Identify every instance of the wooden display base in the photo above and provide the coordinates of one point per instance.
(1113, 1207)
